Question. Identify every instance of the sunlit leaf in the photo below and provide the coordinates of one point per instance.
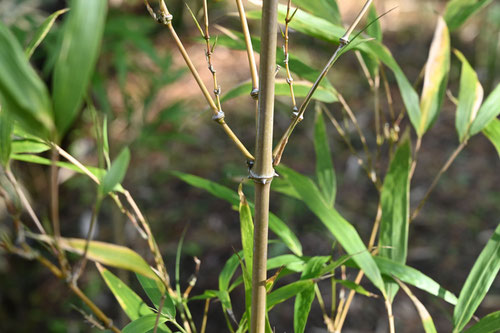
(81, 39)
(435, 79)
(302, 307)
(28, 147)
(42, 32)
(425, 316)
(155, 291)
(488, 111)
(487, 324)
(23, 95)
(478, 282)
(325, 173)
(343, 231)
(458, 11)
(470, 98)
(395, 201)
(105, 253)
(492, 132)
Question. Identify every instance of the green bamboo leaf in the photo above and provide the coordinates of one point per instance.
(282, 88)
(375, 29)
(42, 32)
(155, 291)
(355, 287)
(414, 277)
(435, 79)
(425, 317)
(228, 271)
(144, 324)
(395, 201)
(302, 307)
(116, 173)
(478, 282)
(222, 192)
(133, 306)
(325, 173)
(290, 261)
(488, 111)
(246, 227)
(470, 98)
(81, 38)
(487, 324)
(343, 231)
(6, 130)
(105, 253)
(492, 132)
(23, 95)
(458, 11)
(290, 290)
(283, 187)
(28, 147)
(326, 9)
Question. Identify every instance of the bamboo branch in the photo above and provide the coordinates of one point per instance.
(251, 56)
(344, 40)
(165, 18)
(289, 78)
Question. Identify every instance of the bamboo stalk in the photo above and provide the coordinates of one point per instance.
(262, 172)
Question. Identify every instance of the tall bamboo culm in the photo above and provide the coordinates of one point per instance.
(263, 172)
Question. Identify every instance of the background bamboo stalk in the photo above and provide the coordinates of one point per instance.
(263, 171)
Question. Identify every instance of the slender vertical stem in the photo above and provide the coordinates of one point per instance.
(248, 42)
(263, 171)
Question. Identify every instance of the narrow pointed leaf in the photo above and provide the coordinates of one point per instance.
(42, 32)
(282, 88)
(492, 132)
(375, 29)
(414, 277)
(133, 306)
(6, 129)
(246, 227)
(288, 291)
(228, 271)
(342, 230)
(487, 324)
(435, 79)
(325, 172)
(355, 287)
(458, 11)
(81, 39)
(302, 307)
(222, 192)
(144, 324)
(23, 95)
(470, 98)
(488, 111)
(155, 291)
(326, 9)
(478, 282)
(425, 317)
(105, 253)
(116, 173)
(28, 147)
(395, 201)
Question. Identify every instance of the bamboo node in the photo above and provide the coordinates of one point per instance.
(344, 41)
(295, 114)
(219, 117)
(255, 94)
(261, 179)
(165, 18)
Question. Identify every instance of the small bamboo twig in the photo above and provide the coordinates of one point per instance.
(444, 168)
(251, 56)
(205, 316)
(286, 37)
(344, 40)
(164, 17)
